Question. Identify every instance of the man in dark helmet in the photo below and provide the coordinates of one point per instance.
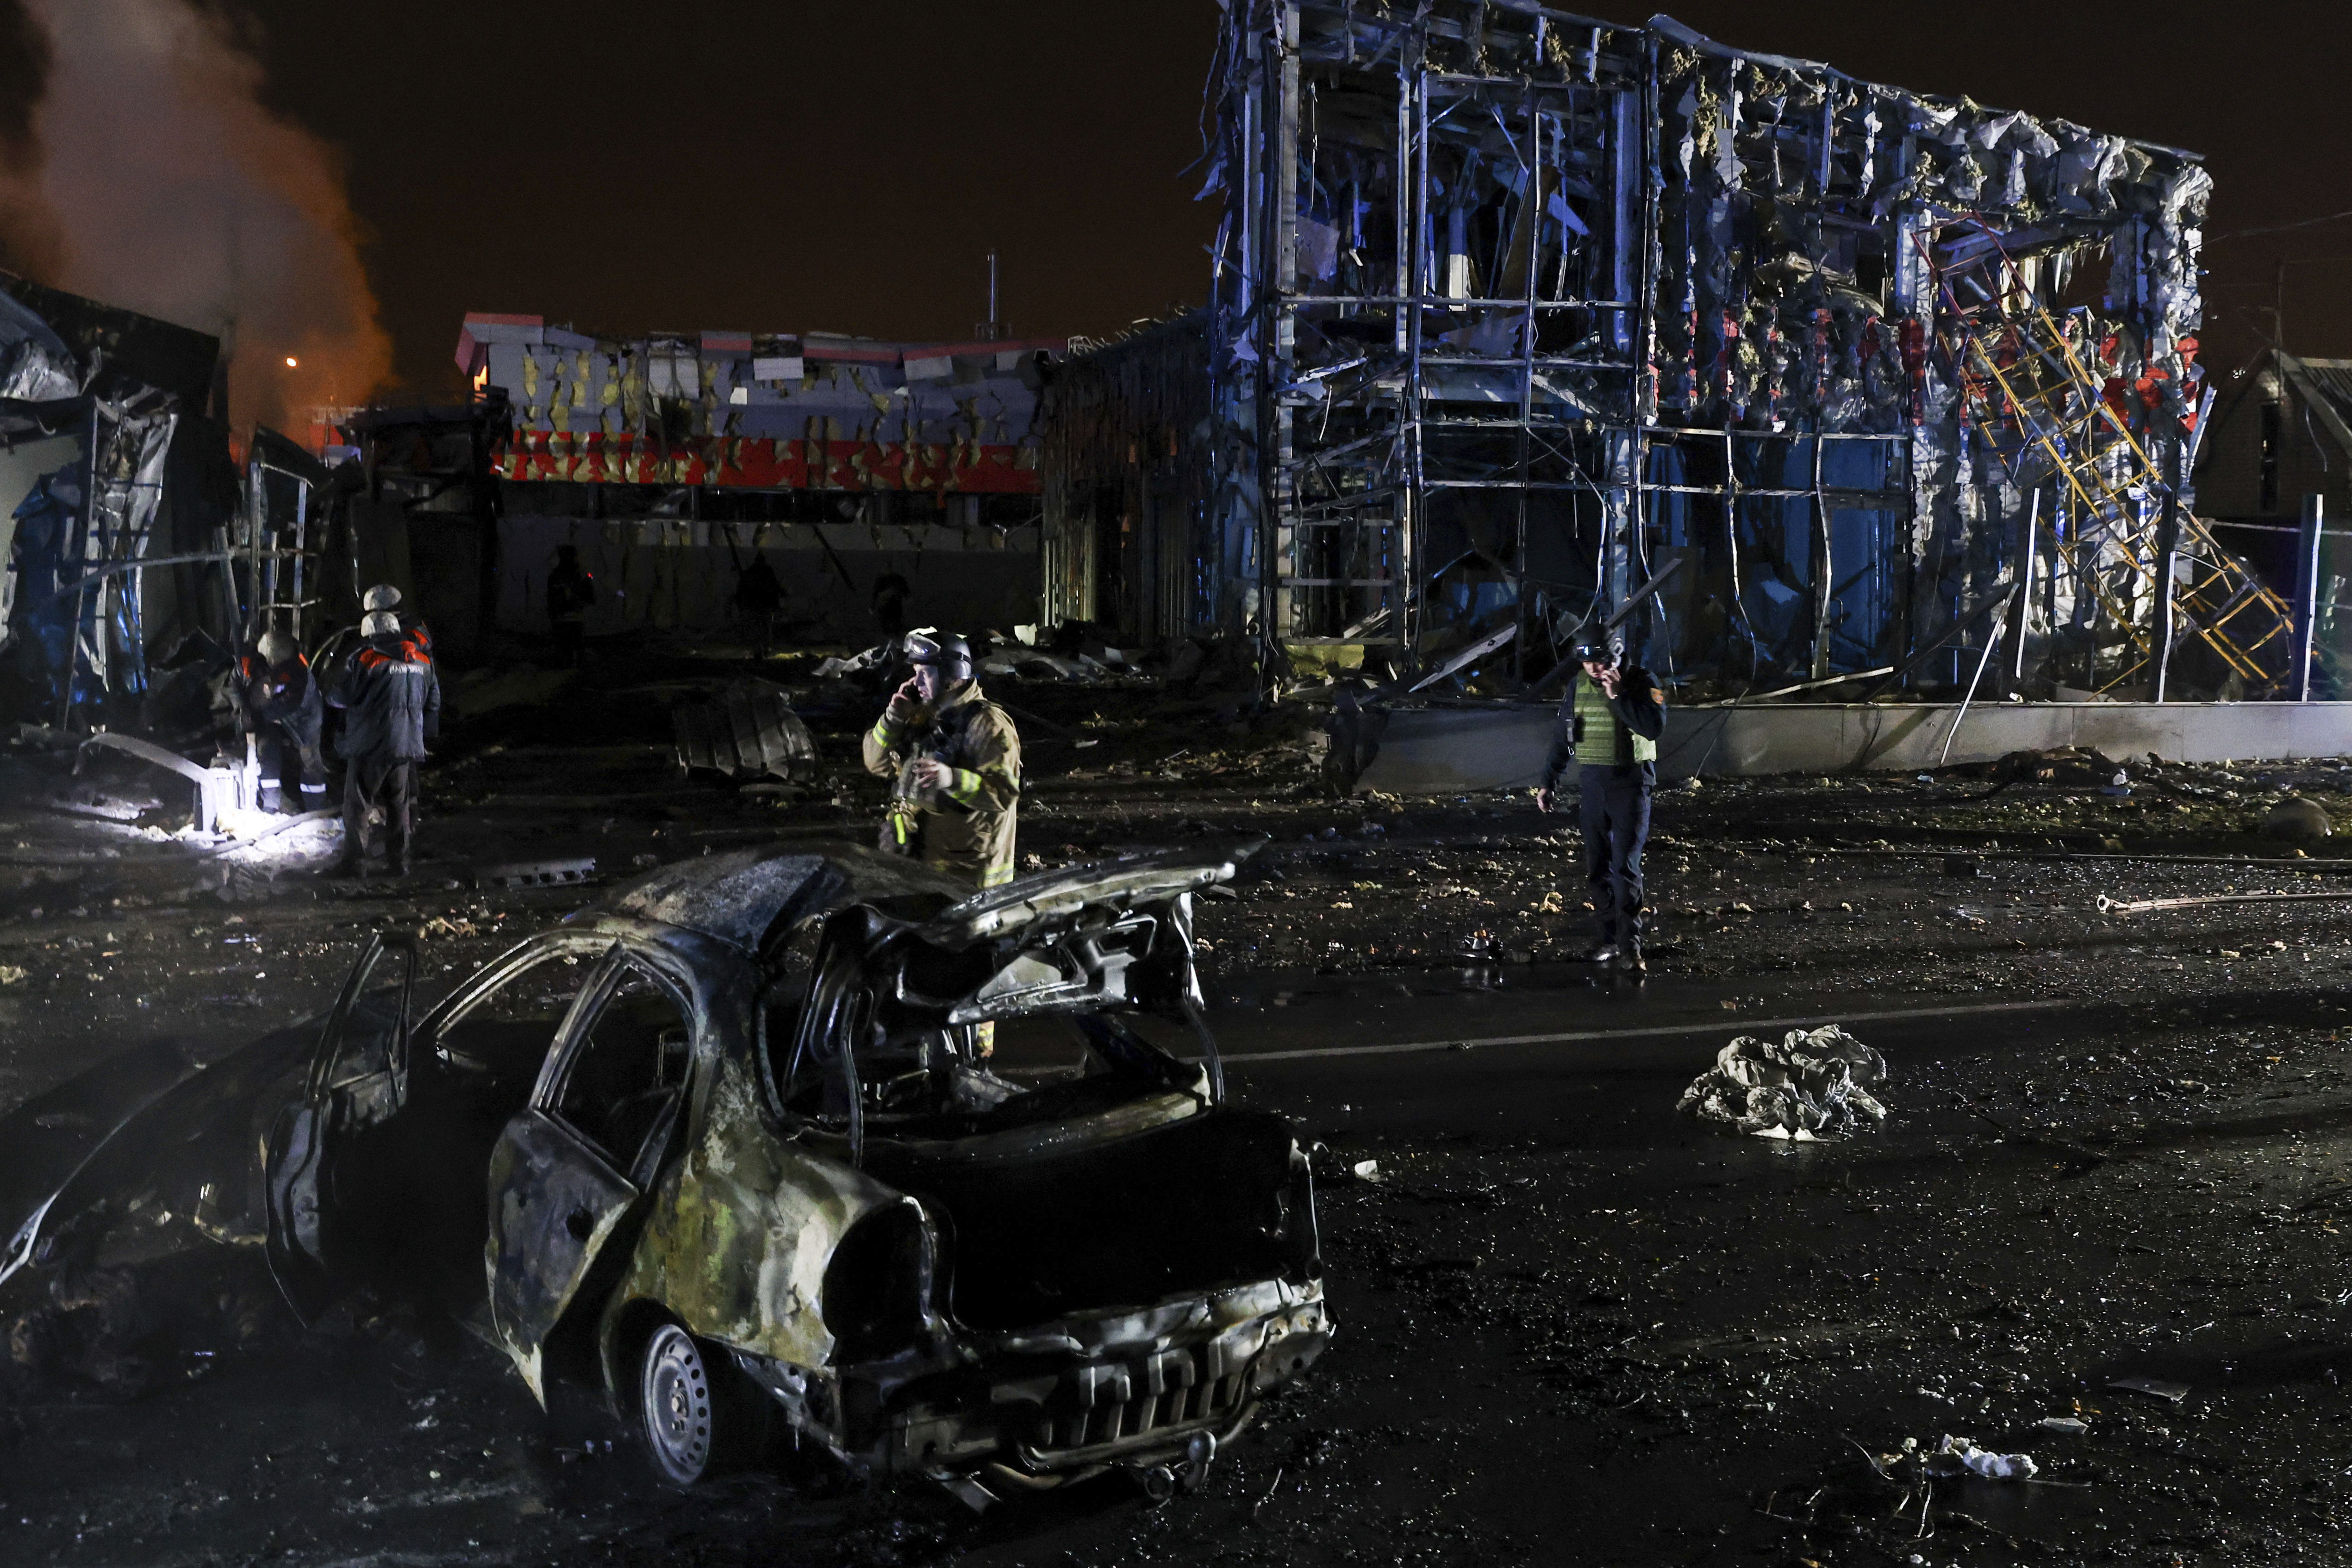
(1609, 723)
(955, 759)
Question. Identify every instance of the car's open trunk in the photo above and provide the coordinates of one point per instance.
(1199, 1203)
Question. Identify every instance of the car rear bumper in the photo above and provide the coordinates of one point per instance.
(1043, 1406)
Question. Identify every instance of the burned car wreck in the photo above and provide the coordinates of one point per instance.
(724, 1147)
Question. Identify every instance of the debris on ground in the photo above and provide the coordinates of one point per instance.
(536, 873)
(750, 729)
(1960, 1456)
(1814, 1083)
(2298, 817)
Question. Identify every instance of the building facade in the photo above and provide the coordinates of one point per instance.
(1516, 312)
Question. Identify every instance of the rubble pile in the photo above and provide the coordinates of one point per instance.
(1813, 1084)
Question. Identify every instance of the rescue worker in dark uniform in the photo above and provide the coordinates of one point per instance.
(278, 705)
(571, 589)
(955, 760)
(1609, 723)
(391, 706)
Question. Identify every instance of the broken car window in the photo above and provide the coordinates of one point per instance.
(507, 1030)
(629, 1069)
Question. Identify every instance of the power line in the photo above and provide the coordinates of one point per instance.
(2280, 227)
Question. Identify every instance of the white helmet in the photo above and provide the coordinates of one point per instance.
(380, 624)
(277, 647)
(382, 597)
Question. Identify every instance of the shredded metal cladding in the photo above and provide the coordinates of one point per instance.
(1514, 308)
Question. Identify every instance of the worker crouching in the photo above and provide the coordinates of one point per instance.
(279, 706)
(1609, 723)
(954, 760)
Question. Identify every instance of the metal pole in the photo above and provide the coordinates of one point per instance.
(2306, 594)
(1531, 210)
(1992, 640)
(301, 530)
(1822, 580)
(2027, 543)
(2167, 554)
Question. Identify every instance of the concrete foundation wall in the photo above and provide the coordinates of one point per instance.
(1436, 750)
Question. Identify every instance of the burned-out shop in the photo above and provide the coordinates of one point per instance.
(1513, 310)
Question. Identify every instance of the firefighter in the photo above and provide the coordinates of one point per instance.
(1609, 723)
(391, 706)
(955, 760)
(279, 706)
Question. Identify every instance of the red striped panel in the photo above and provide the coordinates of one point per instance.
(761, 463)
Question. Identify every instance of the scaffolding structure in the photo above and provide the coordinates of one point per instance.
(1514, 308)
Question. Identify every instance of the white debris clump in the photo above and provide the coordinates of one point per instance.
(1815, 1083)
(1960, 1456)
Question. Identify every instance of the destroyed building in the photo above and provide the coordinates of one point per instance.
(120, 506)
(666, 460)
(1514, 310)
(1127, 484)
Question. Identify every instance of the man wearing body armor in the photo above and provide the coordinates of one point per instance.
(955, 761)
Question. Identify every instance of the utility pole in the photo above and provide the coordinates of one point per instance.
(992, 330)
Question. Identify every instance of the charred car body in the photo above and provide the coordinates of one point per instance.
(720, 1144)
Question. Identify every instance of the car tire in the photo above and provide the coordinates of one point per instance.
(693, 1416)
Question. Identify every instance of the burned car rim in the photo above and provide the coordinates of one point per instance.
(675, 1393)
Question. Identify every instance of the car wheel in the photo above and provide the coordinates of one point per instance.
(681, 1414)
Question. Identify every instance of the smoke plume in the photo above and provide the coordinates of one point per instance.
(155, 180)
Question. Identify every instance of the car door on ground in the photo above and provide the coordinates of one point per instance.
(568, 1171)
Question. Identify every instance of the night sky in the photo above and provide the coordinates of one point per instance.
(847, 167)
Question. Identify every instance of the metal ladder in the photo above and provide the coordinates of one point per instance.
(2028, 390)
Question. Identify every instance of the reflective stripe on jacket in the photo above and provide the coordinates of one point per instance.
(967, 828)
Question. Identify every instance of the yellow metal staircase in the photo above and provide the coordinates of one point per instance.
(2030, 390)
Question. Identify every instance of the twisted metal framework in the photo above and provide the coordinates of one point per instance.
(1511, 305)
(2032, 390)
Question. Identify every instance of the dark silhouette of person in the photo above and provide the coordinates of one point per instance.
(569, 591)
(891, 593)
(758, 595)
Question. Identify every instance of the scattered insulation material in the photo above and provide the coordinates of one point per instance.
(1815, 1083)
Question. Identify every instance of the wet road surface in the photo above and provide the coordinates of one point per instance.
(1574, 1327)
